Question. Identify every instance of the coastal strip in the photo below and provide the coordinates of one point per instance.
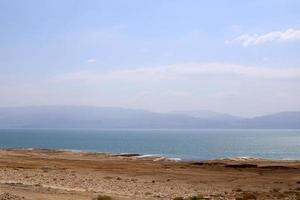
(62, 174)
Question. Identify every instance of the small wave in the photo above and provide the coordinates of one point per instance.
(159, 157)
(241, 158)
(174, 159)
(148, 156)
(72, 150)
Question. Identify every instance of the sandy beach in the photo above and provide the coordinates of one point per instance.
(37, 174)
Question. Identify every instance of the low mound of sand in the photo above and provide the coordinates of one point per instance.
(8, 196)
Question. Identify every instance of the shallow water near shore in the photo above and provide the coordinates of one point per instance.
(184, 144)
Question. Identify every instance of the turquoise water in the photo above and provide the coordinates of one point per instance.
(185, 144)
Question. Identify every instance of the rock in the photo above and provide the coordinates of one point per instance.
(8, 196)
(242, 165)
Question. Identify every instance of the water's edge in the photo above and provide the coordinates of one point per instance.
(173, 144)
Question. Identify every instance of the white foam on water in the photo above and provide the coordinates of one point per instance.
(175, 159)
(241, 158)
(148, 156)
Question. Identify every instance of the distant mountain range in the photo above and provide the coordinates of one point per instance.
(112, 117)
(211, 115)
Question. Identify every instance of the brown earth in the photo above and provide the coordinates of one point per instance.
(41, 174)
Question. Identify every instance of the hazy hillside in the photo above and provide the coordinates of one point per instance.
(96, 117)
(109, 117)
(277, 121)
(211, 115)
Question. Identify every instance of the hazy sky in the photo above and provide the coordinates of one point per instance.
(238, 57)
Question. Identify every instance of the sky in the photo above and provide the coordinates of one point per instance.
(231, 56)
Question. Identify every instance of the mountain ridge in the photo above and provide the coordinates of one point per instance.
(116, 117)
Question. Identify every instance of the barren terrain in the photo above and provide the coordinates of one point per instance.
(41, 174)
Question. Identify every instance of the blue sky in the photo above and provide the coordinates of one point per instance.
(239, 57)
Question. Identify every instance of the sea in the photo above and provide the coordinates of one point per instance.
(174, 144)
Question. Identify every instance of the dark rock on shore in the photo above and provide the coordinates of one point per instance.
(8, 196)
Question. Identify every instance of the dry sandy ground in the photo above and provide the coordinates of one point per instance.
(42, 174)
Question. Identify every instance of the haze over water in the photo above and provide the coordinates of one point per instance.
(184, 144)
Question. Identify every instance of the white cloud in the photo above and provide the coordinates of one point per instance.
(91, 60)
(181, 71)
(256, 39)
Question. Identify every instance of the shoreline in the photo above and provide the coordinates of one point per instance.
(140, 155)
(60, 174)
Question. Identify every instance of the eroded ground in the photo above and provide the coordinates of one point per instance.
(42, 174)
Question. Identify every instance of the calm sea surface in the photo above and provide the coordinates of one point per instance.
(185, 144)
